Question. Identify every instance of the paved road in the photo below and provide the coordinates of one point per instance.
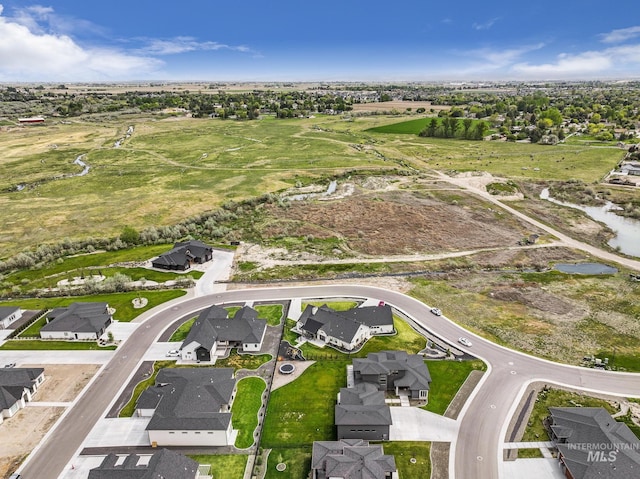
(478, 449)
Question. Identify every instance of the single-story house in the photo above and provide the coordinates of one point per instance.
(77, 321)
(17, 387)
(394, 371)
(214, 330)
(183, 255)
(162, 464)
(351, 459)
(592, 444)
(9, 314)
(189, 407)
(346, 330)
(362, 413)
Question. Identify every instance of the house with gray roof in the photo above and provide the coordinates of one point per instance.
(344, 330)
(362, 413)
(213, 330)
(162, 464)
(183, 255)
(17, 387)
(394, 371)
(8, 315)
(77, 321)
(189, 407)
(351, 459)
(591, 444)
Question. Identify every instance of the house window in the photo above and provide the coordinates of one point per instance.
(423, 393)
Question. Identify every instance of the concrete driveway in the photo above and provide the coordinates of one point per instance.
(217, 270)
(414, 424)
(122, 431)
(532, 469)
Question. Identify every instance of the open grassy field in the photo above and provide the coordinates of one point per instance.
(412, 127)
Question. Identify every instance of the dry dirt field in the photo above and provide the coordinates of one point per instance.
(398, 105)
(21, 433)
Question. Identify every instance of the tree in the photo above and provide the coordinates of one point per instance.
(130, 235)
(481, 130)
(466, 124)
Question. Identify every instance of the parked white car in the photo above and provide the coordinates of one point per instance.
(174, 353)
(464, 341)
(436, 311)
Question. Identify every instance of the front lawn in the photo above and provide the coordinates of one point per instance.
(182, 332)
(271, 312)
(303, 411)
(406, 450)
(244, 411)
(446, 379)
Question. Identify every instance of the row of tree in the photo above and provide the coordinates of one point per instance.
(451, 127)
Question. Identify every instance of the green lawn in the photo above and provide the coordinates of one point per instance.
(303, 411)
(271, 312)
(446, 379)
(223, 466)
(34, 329)
(122, 302)
(244, 411)
(130, 407)
(404, 451)
(36, 344)
(297, 460)
(335, 305)
(182, 332)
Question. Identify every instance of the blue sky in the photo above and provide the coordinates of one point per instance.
(329, 40)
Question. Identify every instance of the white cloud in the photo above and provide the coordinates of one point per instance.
(486, 25)
(567, 66)
(620, 35)
(29, 54)
(186, 44)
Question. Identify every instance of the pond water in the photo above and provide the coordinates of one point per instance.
(585, 268)
(627, 238)
(305, 196)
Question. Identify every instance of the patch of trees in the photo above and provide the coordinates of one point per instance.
(452, 127)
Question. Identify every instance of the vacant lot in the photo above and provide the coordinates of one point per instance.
(21, 433)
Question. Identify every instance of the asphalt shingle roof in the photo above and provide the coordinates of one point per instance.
(353, 459)
(79, 318)
(164, 464)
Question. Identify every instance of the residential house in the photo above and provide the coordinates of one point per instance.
(362, 413)
(9, 314)
(394, 371)
(17, 387)
(184, 255)
(77, 321)
(189, 407)
(591, 444)
(214, 330)
(162, 464)
(345, 330)
(351, 459)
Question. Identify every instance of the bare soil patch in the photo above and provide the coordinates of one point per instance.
(396, 222)
(398, 105)
(22, 432)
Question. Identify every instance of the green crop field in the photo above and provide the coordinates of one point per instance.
(411, 127)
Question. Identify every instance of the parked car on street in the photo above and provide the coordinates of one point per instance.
(436, 311)
(464, 341)
(174, 353)
(10, 365)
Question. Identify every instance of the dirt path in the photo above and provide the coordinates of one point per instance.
(466, 183)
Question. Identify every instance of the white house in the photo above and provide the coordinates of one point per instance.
(346, 330)
(78, 321)
(17, 387)
(8, 315)
(189, 407)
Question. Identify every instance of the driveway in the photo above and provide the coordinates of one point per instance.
(533, 469)
(415, 424)
(122, 431)
(219, 269)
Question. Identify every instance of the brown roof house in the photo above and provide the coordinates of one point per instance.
(593, 445)
(17, 387)
(351, 459)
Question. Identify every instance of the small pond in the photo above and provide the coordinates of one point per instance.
(627, 229)
(585, 268)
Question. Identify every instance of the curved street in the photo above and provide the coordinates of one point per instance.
(477, 452)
